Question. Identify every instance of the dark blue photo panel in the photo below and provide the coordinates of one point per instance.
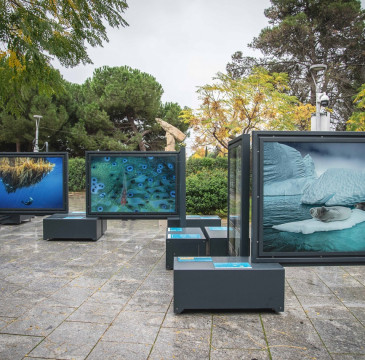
(132, 184)
(33, 183)
(311, 196)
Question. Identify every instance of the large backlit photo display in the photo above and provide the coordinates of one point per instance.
(133, 184)
(33, 183)
(308, 197)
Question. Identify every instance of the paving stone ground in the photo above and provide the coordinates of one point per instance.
(113, 299)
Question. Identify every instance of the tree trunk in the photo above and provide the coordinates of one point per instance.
(17, 144)
(141, 144)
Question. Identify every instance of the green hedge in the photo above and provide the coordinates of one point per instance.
(193, 165)
(76, 174)
(206, 186)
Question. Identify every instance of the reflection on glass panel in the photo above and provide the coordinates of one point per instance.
(235, 195)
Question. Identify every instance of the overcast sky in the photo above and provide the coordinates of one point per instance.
(183, 44)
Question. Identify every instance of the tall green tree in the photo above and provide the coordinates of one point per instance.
(116, 110)
(307, 32)
(17, 130)
(128, 97)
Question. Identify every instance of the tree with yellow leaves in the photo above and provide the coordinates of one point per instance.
(230, 107)
(357, 119)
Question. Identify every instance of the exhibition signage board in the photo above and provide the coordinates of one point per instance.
(308, 197)
(135, 184)
(33, 183)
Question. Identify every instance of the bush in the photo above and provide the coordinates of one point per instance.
(76, 174)
(193, 165)
(206, 192)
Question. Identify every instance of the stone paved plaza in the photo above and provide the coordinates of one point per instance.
(113, 299)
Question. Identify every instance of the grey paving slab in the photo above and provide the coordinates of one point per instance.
(351, 296)
(239, 354)
(5, 321)
(135, 327)
(107, 350)
(298, 352)
(150, 300)
(15, 347)
(71, 296)
(358, 313)
(95, 311)
(311, 285)
(71, 340)
(342, 336)
(193, 320)
(189, 344)
(291, 331)
(238, 332)
(40, 320)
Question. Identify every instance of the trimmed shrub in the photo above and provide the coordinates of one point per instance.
(76, 174)
(206, 192)
(193, 165)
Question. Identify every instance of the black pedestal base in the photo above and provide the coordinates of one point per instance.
(184, 242)
(217, 237)
(72, 226)
(14, 219)
(200, 285)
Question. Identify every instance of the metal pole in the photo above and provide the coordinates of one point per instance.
(314, 69)
(37, 120)
(318, 108)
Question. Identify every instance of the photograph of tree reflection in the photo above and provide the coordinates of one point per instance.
(314, 197)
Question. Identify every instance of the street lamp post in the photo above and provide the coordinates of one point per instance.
(321, 120)
(37, 120)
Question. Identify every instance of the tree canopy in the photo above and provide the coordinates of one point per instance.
(17, 130)
(303, 33)
(230, 107)
(34, 31)
(116, 109)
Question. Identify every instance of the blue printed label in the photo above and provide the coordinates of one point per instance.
(232, 266)
(194, 259)
(74, 217)
(184, 236)
(210, 217)
(219, 228)
(174, 229)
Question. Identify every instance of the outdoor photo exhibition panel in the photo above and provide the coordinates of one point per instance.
(238, 195)
(308, 197)
(33, 183)
(135, 184)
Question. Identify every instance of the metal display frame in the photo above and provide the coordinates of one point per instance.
(180, 209)
(258, 140)
(242, 141)
(42, 211)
